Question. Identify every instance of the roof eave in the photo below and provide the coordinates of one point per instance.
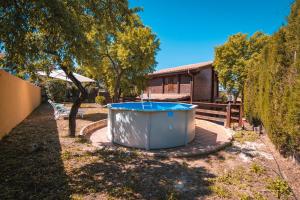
(186, 71)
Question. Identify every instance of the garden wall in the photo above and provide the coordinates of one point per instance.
(18, 98)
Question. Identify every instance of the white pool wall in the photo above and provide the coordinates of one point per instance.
(151, 129)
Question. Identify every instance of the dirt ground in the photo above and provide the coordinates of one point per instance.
(38, 161)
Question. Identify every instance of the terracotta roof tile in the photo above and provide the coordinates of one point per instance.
(182, 68)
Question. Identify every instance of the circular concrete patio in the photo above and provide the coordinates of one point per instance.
(209, 138)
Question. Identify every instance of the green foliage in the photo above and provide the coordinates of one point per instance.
(100, 99)
(42, 35)
(279, 187)
(245, 197)
(259, 196)
(238, 177)
(127, 57)
(243, 136)
(223, 96)
(272, 87)
(220, 191)
(257, 169)
(66, 155)
(232, 57)
(56, 90)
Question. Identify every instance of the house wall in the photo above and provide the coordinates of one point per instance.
(156, 85)
(171, 84)
(185, 84)
(216, 86)
(202, 85)
(18, 99)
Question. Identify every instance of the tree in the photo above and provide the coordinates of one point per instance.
(41, 34)
(231, 60)
(126, 58)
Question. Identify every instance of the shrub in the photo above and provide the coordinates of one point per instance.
(56, 90)
(279, 187)
(257, 169)
(100, 99)
(220, 191)
(245, 136)
(245, 197)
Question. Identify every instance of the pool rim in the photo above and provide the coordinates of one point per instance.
(192, 106)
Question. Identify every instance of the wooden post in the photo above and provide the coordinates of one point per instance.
(217, 85)
(212, 90)
(192, 88)
(178, 83)
(228, 116)
(241, 115)
(163, 85)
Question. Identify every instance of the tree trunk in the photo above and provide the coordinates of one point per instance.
(76, 103)
(235, 96)
(242, 109)
(117, 89)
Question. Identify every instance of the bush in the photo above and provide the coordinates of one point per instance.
(257, 169)
(245, 136)
(100, 100)
(279, 187)
(56, 90)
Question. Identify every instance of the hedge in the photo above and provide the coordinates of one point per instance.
(272, 88)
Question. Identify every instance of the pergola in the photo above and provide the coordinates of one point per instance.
(60, 74)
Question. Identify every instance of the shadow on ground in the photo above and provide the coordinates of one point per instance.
(132, 176)
(30, 160)
(93, 117)
(31, 168)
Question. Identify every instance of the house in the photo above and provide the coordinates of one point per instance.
(194, 82)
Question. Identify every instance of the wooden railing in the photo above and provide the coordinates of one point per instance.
(219, 112)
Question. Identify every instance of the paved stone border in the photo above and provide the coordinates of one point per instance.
(87, 130)
(164, 153)
(204, 152)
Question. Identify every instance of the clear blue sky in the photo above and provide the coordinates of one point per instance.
(190, 29)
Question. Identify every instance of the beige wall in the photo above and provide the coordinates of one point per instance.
(18, 98)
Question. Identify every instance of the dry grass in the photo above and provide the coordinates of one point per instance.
(245, 136)
(37, 161)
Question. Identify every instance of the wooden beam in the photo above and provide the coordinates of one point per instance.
(208, 111)
(178, 83)
(216, 119)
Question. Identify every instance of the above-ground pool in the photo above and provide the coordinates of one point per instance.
(151, 125)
